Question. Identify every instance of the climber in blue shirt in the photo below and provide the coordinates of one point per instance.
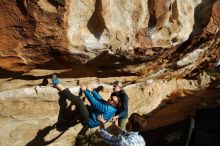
(98, 105)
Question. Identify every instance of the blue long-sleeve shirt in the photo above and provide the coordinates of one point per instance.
(101, 107)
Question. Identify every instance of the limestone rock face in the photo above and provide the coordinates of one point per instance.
(156, 48)
(96, 32)
(32, 33)
(29, 115)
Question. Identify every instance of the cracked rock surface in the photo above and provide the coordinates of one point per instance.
(158, 49)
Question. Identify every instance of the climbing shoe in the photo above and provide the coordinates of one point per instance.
(55, 80)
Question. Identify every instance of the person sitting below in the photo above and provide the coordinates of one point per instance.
(98, 104)
(123, 139)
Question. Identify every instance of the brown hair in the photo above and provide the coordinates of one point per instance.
(136, 123)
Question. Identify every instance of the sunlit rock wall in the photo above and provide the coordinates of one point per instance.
(126, 24)
(149, 45)
(73, 32)
(29, 115)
